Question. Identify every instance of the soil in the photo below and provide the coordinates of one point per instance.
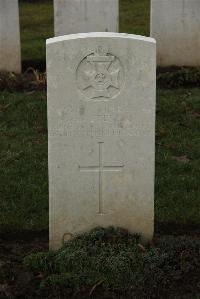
(15, 280)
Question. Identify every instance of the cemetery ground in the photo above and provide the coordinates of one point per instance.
(171, 262)
(105, 263)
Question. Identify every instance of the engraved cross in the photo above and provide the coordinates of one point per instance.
(100, 169)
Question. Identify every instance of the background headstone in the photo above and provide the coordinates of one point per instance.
(175, 25)
(10, 50)
(75, 16)
(101, 115)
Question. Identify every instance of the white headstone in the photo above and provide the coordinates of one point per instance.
(101, 115)
(175, 25)
(75, 16)
(10, 51)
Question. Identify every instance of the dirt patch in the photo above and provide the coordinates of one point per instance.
(30, 80)
(176, 229)
(15, 280)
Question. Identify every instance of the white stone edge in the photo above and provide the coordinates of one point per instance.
(99, 34)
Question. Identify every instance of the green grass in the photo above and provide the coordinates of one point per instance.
(114, 262)
(23, 162)
(177, 156)
(36, 19)
(135, 16)
(36, 22)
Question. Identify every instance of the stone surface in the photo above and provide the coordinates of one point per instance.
(10, 52)
(75, 16)
(101, 115)
(175, 25)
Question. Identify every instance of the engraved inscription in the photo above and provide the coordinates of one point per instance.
(93, 131)
(104, 116)
(100, 169)
(100, 75)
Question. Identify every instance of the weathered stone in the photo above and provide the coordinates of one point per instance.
(75, 16)
(101, 115)
(10, 52)
(175, 25)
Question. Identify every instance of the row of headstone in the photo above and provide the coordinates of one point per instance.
(101, 132)
(101, 116)
(174, 24)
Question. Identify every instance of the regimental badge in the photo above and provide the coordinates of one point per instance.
(100, 75)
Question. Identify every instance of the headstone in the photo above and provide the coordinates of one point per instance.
(10, 52)
(101, 118)
(75, 16)
(175, 25)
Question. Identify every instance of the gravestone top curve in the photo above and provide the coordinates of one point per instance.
(100, 34)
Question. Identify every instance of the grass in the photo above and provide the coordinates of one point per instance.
(135, 16)
(36, 19)
(23, 163)
(114, 263)
(177, 156)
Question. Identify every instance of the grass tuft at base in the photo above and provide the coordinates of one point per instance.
(113, 260)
